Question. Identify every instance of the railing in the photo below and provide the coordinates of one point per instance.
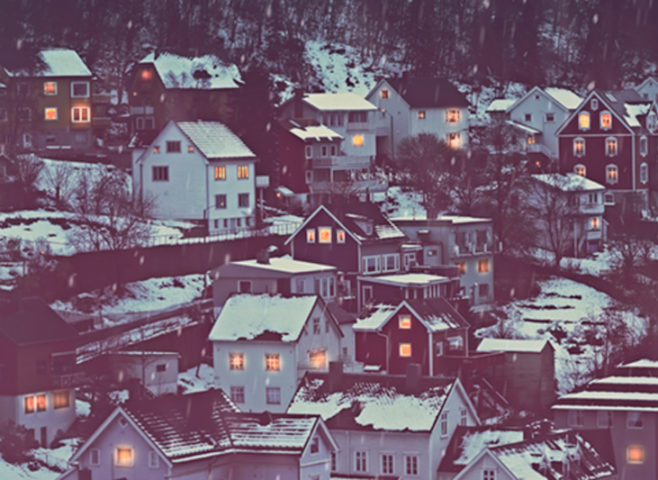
(144, 110)
(342, 162)
(473, 249)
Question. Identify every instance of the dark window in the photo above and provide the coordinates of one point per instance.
(244, 286)
(160, 174)
(42, 367)
(220, 201)
(173, 147)
(357, 117)
(243, 200)
(161, 367)
(273, 395)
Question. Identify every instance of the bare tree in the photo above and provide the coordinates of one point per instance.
(28, 168)
(629, 252)
(59, 179)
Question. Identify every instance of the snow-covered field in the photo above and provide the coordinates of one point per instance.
(15, 472)
(403, 203)
(562, 312)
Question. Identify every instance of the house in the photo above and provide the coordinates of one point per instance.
(568, 210)
(201, 436)
(611, 138)
(49, 107)
(397, 287)
(626, 404)
(527, 377)
(537, 115)
(648, 89)
(314, 165)
(391, 337)
(409, 106)
(37, 368)
(283, 276)
(386, 425)
(198, 171)
(166, 87)
(496, 453)
(461, 241)
(263, 345)
(156, 371)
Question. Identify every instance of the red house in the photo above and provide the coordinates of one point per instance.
(422, 332)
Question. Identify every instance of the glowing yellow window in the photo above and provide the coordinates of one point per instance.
(483, 266)
(325, 234)
(156, 149)
(124, 457)
(606, 120)
(635, 454)
(404, 322)
(595, 223)
(50, 113)
(318, 359)
(583, 121)
(310, 235)
(454, 140)
(580, 170)
(220, 173)
(461, 266)
(405, 349)
(190, 148)
(453, 116)
(384, 93)
(80, 114)
(340, 236)
(61, 400)
(50, 88)
(41, 403)
(243, 171)
(30, 405)
(421, 115)
(236, 361)
(146, 74)
(357, 140)
(272, 362)
(531, 140)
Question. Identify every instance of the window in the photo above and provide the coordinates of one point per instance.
(634, 420)
(79, 89)
(324, 234)
(483, 290)
(30, 406)
(387, 463)
(404, 322)
(371, 264)
(3, 115)
(273, 395)
(579, 147)
(454, 140)
(173, 146)
(308, 151)
(156, 149)
(25, 114)
(220, 173)
(50, 88)
(272, 362)
(580, 170)
(611, 146)
(411, 465)
(635, 454)
(357, 117)
(652, 122)
(483, 266)
(576, 418)
(23, 89)
(594, 104)
(443, 424)
(405, 350)
(421, 115)
(603, 419)
(61, 400)
(391, 262)
(310, 235)
(190, 149)
(237, 394)
(357, 140)
(124, 457)
(243, 172)
(644, 146)
(550, 117)
(361, 461)
(340, 236)
(154, 460)
(244, 286)
(384, 93)
(583, 120)
(95, 457)
(315, 445)
(595, 223)
(334, 463)
(80, 114)
(528, 117)
(323, 150)
(608, 198)
(488, 474)
(461, 267)
(455, 343)
(318, 359)
(452, 115)
(243, 200)
(41, 403)
(50, 113)
(531, 140)
(220, 201)
(611, 174)
(236, 361)
(463, 417)
(605, 120)
(161, 367)
(438, 349)
(333, 150)
(644, 173)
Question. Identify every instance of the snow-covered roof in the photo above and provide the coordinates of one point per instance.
(628, 381)
(315, 132)
(511, 345)
(643, 363)
(630, 399)
(215, 140)
(377, 317)
(145, 353)
(467, 442)
(635, 110)
(207, 72)
(59, 62)
(523, 128)
(407, 279)
(372, 401)
(500, 104)
(338, 101)
(461, 219)
(248, 317)
(565, 97)
(571, 182)
(286, 265)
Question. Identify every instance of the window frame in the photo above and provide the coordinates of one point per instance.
(576, 141)
(358, 140)
(411, 464)
(580, 166)
(272, 362)
(576, 418)
(325, 230)
(308, 151)
(366, 259)
(639, 461)
(173, 146)
(484, 266)
(243, 172)
(644, 173)
(384, 94)
(608, 151)
(236, 361)
(405, 350)
(443, 424)
(45, 91)
(453, 115)
(608, 417)
(220, 173)
(361, 461)
(594, 104)
(153, 460)
(314, 447)
(340, 235)
(404, 322)
(581, 115)
(387, 465)
(273, 395)
(611, 167)
(644, 145)
(601, 114)
(422, 115)
(117, 462)
(638, 424)
(74, 84)
(95, 462)
(218, 203)
(45, 114)
(81, 110)
(59, 395)
(237, 393)
(41, 407)
(241, 203)
(396, 262)
(552, 118)
(311, 235)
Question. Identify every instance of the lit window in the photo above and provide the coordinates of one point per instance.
(384, 93)
(50, 113)
(243, 172)
(411, 465)
(310, 235)
(357, 140)
(405, 349)
(220, 173)
(612, 174)
(41, 403)
(50, 88)
(611, 146)
(318, 359)
(80, 115)
(124, 457)
(160, 174)
(156, 149)
(315, 445)
(273, 395)
(79, 89)
(454, 140)
(461, 266)
(146, 74)
(580, 170)
(579, 147)
(595, 223)
(644, 173)
(237, 394)
(452, 115)
(30, 406)
(324, 234)
(404, 322)
(635, 454)
(483, 266)
(340, 236)
(605, 119)
(644, 146)
(236, 361)
(531, 140)
(421, 115)
(190, 148)
(583, 121)
(61, 400)
(272, 362)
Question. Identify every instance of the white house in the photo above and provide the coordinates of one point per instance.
(386, 425)
(409, 106)
(201, 436)
(198, 171)
(537, 115)
(648, 89)
(263, 345)
(156, 371)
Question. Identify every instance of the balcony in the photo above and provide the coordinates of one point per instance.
(539, 148)
(591, 208)
(473, 249)
(342, 162)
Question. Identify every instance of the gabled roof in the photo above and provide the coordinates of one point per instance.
(58, 62)
(31, 320)
(421, 92)
(215, 140)
(207, 72)
(524, 128)
(511, 345)
(647, 81)
(500, 104)
(561, 97)
(570, 182)
(327, 102)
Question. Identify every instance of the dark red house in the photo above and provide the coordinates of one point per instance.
(415, 331)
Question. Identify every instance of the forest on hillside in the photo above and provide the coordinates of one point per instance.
(567, 42)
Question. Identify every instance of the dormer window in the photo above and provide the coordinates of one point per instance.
(384, 93)
(594, 104)
(611, 146)
(583, 121)
(579, 147)
(605, 119)
(580, 170)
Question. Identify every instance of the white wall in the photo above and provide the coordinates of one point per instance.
(231, 187)
(649, 90)
(328, 338)
(475, 471)
(435, 122)
(145, 369)
(392, 115)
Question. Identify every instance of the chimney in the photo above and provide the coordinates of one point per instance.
(199, 409)
(335, 375)
(265, 419)
(414, 373)
(263, 256)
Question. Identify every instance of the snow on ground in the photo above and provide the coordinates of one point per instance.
(562, 312)
(69, 174)
(403, 203)
(189, 381)
(20, 472)
(58, 457)
(82, 408)
(599, 264)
